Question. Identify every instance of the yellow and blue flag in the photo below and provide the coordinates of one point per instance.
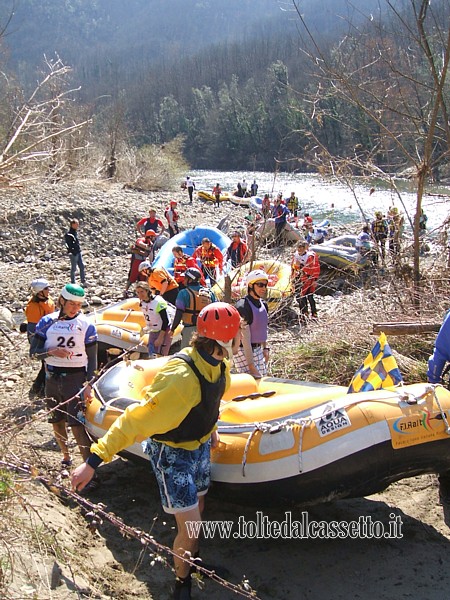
(379, 370)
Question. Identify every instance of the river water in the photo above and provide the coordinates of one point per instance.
(327, 198)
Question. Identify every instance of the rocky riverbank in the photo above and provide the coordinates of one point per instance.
(46, 548)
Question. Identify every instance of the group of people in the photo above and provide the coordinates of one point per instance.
(389, 228)
(178, 414)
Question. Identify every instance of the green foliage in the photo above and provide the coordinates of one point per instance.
(6, 485)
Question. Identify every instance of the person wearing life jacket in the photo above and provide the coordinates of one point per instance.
(211, 259)
(172, 218)
(150, 222)
(253, 354)
(160, 280)
(39, 304)
(190, 300)
(395, 224)
(292, 204)
(379, 227)
(183, 261)
(158, 316)
(177, 418)
(265, 206)
(67, 342)
(141, 250)
(237, 251)
(305, 271)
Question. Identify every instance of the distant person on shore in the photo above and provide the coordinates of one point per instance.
(172, 217)
(239, 191)
(211, 260)
(305, 271)
(74, 250)
(244, 188)
(39, 305)
(380, 231)
(254, 188)
(293, 206)
(217, 191)
(280, 213)
(151, 222)
(67, 342)
(266, 207)
(395, 223)
(190, 187)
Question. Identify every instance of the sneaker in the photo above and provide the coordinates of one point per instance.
(66, 463)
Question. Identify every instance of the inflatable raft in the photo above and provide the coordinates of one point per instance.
(189, 240)
(208, 197)
(286, 442)
(240, 201)
(279, 287)
(340, 252)
(120, 326)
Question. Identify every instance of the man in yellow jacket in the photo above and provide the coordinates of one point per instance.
(178, 417)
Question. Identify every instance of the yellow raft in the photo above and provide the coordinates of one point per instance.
(207, 197)
(120, 326)
(284, 441)
(279, 288)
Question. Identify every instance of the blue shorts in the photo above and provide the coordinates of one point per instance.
(182, 475)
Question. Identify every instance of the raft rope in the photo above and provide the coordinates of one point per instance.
(443, 414)
(274, 428)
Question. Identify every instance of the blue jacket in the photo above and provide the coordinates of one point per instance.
(441, 353)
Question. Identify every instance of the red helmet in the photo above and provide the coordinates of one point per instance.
(172, 202)
(219, 321)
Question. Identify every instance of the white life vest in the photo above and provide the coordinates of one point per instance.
(71, 335)
(151, 312)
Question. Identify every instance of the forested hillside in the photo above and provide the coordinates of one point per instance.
(255, 84)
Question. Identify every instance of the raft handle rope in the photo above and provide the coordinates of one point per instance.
(432, 388)
(263, 427)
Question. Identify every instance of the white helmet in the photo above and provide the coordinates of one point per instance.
(145, 264)
(256, 275)
(37, 285)
(73, 292)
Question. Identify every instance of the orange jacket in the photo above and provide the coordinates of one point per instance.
(35, 310)
(159, 276)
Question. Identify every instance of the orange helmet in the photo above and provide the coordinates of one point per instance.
(219, 321)
(150, 233)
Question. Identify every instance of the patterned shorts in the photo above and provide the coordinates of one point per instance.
(240, 364)
(182, 475)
